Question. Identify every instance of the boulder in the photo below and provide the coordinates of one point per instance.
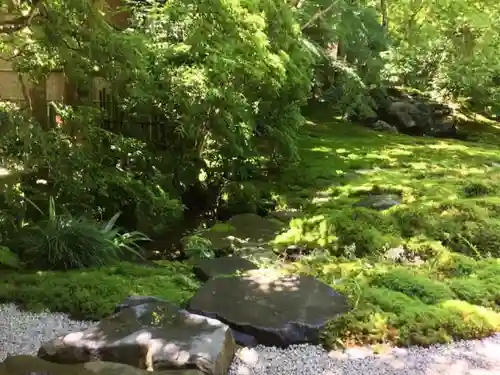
(28, 365)
(384, 127)
(404, 113)
(276, 310)
(231, 265)
(156, 335)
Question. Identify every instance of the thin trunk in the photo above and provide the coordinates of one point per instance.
(385, 14)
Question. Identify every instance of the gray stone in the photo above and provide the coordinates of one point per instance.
(404, 112)
(231, 265)
(152, 336)
(247, 235)
(275, 309)
(380, 201)
(132, 301)
(384, 126)
(28, 365)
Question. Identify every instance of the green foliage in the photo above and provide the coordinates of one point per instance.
(94, 293)
(63, 242)
(255, 49)
(238, 198)
(8, 258)
(95, 173)
(406, 309)
(477, 189)
(197, 247)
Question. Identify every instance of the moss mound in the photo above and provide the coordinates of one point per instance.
(93, 294)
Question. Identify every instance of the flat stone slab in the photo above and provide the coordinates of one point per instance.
(207, 268)
(153, 336)
(380, 202)
(247, 235)
(276, 310)
(28, 365)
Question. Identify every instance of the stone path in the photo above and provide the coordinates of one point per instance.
(275, 317)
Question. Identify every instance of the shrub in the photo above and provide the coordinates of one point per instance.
(477, 189)
(64, 242)
(197, 247)
(97, 173)
(8, 258)
(240, 197)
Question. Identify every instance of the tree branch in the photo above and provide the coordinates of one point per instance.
(318, 15)
(19, 23)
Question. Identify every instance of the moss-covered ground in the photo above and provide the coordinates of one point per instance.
(94, 294)
(448, 219)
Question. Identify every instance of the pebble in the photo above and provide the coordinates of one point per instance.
(23, 332)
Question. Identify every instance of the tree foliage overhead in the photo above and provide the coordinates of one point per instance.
(224, 81)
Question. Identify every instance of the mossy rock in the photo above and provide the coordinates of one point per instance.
(245, 234)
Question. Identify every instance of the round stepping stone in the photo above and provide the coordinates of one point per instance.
(207, 268)
(276, 310)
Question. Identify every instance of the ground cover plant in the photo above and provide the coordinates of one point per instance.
(446, 225)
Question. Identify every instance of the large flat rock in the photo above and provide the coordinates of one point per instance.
(275, 309)
(155, 336)
(28, 365)
(208, 268)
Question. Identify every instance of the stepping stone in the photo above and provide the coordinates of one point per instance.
(380, 202)
(276, 310)
(247, 235)
(207, 268)
(154, 336)
(28, 365)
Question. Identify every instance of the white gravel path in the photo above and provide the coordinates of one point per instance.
(23, 332)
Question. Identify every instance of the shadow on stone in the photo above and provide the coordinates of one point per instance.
(155, 335)
(276, 310)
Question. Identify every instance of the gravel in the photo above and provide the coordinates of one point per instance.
(23, 332)
(478, 357)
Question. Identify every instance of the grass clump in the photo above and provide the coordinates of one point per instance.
(92, 294)
(63, 242)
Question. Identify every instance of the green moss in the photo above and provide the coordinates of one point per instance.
(477, 291)
(221, 228)
(414, 285)
(449, 216)
(94, 293)
(456, 265)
